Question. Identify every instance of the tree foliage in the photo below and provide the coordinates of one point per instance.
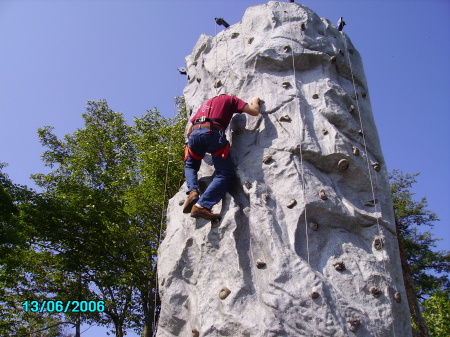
(437, 314)
(97, 223)
(425, 270)
(23, 270)
(429, 267)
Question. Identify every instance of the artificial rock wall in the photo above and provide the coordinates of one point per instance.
(307, 244)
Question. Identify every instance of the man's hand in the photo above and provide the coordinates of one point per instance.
(253, 108)
(255, 101)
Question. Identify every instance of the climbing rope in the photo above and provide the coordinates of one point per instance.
(364, 139)
(367, 160)
(302, 172)
(215, 66)
(155, 322)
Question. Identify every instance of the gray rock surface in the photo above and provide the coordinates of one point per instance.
(307, 244)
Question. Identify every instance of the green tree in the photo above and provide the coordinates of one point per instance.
(159, 144)
(104, 210)
(437, 314)
(23, 270)
(424, 270)
(83, 223)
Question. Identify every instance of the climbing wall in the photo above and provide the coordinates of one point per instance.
(307, 243)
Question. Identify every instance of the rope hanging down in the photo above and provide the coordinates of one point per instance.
(341, 25)
(302, 172)
(156, 292)
(364, 140)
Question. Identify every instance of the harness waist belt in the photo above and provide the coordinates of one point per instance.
(207, 126)
(204, 119)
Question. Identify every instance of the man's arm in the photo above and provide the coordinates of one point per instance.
(252, 108)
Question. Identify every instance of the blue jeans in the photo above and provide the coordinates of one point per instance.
(203, 141)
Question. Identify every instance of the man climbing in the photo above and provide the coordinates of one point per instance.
(206, 134)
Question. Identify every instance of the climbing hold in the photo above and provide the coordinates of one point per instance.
(267, 159)
(376, 166)
(195, 63)
(371, 203)
(234, 35)
(398, 297)
(163, 281)
(218, 84)
(315, 96)
(350, 51)
(287, 48)
(378, 243)
(248, 185)
(343, 164)
(238, 131)
(361, 133)
(195, 333)
(364, 94)
(286, 85)
(260, 264)
(250, 40)
(355, 151)
(333, 59)
(265, 197)
(181, 202)
(339, 266)
(285, 118)
(324, 131)
(323, 195)
(355, 96)
(182, 71)
(375, 291)
(224, 292)
(341, 52)
(351, 109)
(353, 324)
(321, 32)
(303, 26)
(314, 226)
(314, 294)
(215, 223)
(291, 203)
(199, 79)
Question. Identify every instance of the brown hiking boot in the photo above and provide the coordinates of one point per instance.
(202, 212)
(191, 199)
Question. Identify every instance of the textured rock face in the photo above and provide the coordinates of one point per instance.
(306, 245)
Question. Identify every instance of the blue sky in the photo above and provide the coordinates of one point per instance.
(56, 55)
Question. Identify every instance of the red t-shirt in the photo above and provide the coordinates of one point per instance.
(221, 107)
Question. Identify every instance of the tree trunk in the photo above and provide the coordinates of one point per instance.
(420, 329)
(148, 310)
(119, 328)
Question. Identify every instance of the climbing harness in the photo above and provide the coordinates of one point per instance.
(209, 120)
(224, 151)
